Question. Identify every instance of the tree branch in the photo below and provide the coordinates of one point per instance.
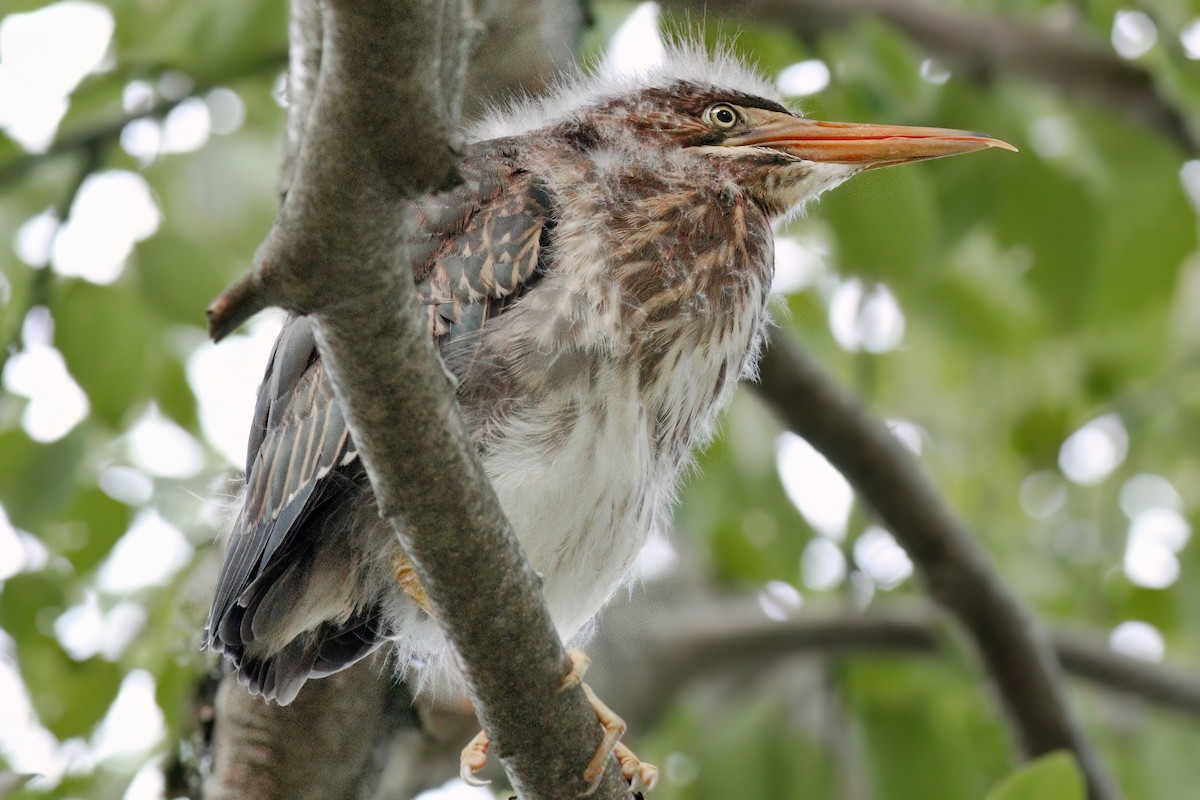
(700, 646)
(685, 629)
(981, 46)
(647, 653)
(956, 572)
(336, 252)
(264, 751)
(1164, 685)
(304, 67)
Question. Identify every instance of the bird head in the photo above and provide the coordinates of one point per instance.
(775, 155)
(710, 115)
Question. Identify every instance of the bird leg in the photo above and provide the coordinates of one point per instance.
(641, 776)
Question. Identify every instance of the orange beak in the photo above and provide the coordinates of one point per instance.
(872, 146)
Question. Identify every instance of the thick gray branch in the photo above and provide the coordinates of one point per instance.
(982, 46)
(320, 747)
(336, 252)
(956, 571)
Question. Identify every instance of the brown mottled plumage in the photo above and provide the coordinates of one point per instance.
(598, 282)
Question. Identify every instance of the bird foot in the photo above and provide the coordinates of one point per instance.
(641, 776)
(473, 759)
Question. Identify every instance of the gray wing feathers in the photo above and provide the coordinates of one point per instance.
(480, 249)
(297, 437)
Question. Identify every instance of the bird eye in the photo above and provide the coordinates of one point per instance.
(721, 116)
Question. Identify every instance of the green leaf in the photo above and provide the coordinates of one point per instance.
(108, 338)
(70, 696)
(36, 480)
(1055, 219)
(885, 224)
(889, 63)
(174, 395)
(237, 36)
(94, 103)
(178, 276)
(1052, 777)
(103, 521)
(981, 298)
(28, 600)
(928, 731)
(1040, 431)
(1150, 229)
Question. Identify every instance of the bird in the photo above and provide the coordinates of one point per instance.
(597, 283)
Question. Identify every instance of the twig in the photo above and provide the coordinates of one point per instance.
(41, 288)
(703, 647)
(330, 255)
(1164, 685)
(982, 46)
(683, 635)
(956, 572)
(105, 133)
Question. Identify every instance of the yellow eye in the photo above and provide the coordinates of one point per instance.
(721, 116)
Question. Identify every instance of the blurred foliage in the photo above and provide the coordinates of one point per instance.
(1051, 777)
(1039, 292)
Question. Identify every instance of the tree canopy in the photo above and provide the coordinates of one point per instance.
(1027, 326)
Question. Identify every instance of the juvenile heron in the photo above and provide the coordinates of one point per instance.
(598, 282)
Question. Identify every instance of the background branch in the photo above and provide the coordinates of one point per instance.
(685, 633)
(956, 571)
(106, 133)
(678, 633)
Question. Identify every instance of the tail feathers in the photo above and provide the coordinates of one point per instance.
(279, 676)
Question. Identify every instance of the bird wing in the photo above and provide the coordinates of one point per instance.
(479, 247)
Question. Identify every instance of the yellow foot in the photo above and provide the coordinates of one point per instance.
(579, 665)
(473, 759)
(642, 777)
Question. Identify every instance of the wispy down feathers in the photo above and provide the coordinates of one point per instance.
(687, 61)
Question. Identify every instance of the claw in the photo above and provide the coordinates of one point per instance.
(473, 759)
(641, 776)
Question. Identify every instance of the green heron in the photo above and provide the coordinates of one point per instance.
(597, 283)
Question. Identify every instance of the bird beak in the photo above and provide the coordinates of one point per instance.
(872, 146)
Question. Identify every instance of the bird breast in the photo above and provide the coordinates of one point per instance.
(627, 350)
